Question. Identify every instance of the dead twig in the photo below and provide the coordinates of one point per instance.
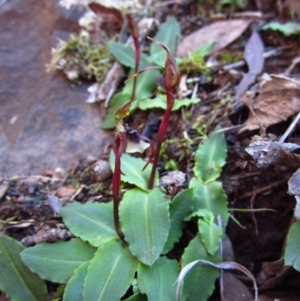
(265, 188)
(267, 54)
(290, 128)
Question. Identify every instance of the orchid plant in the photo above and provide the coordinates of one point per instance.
(120, 249)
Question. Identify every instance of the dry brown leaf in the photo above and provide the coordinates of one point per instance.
(222, 33)
(278, 99)
(234, 289)
(65, 192)
(253, 55)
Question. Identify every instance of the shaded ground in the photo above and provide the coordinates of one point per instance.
(45, 124)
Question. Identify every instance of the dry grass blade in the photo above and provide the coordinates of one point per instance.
(221, 265)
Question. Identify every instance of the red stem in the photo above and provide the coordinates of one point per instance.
(135, 35)
(161, 135)
(116, 181)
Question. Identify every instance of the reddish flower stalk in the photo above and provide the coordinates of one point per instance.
(120, 145)
(127, 140)
(137, 53)
(121, 140)
(171, 79)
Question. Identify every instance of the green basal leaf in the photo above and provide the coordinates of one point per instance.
(92, 222)
(16, 280)
(137, 297)
(205, 214)
(292, 249)
(160, 102)
(125, 54)
(210, 158)
(169, 34)
(109, 273)
(56, 262)
(157, 281)
(117, 101)
(184, 102)
(287, 29)
(199, 283)
(132, 170)
(145, 223)
(146, 83)
(212, 197)
(203, 51)
(74, 287)
(211, 236)
(180, 207)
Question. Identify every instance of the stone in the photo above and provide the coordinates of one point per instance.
(44, 120)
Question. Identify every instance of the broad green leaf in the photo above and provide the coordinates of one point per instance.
(110, 272)
(169, 34)
(92, 222)
(180, 207)
(205, 214)
(117, 101)
(211, 236)
(210, 158)
(292, 249)
(16, 280)
(125, 54)
(74, 287)
(146, 83)
(212, 197)
(203, 51)
(160, 102)
(157, 281)
(132, 170)
(145, 223)
(199, 283)
(56, 262)
(137, 297)
(288, 28)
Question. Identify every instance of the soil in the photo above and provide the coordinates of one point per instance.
(28, 203)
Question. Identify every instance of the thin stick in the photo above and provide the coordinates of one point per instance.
(290, 128)
(267, 54)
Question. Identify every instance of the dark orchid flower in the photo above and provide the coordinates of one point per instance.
(171, 81)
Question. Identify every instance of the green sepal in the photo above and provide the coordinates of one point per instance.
(117, 101)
